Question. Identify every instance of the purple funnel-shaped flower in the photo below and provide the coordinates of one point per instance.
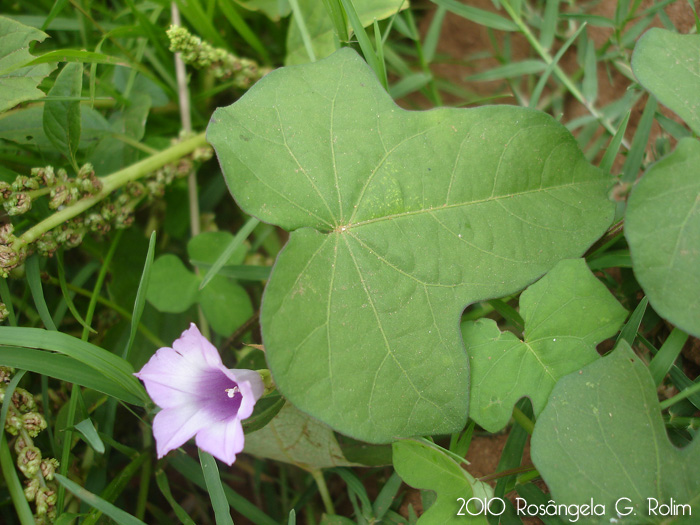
(199, 396)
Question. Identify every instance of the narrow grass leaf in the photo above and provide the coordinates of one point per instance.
(34, 281)
(101, 360)
(57, 7)
(117, 514)
(303, 30)
(667, 354)
(629, 331)
(228, 9)
(552, 66)
(589, 87)
(611, 152)
(292, 517)
(66, 294)
(479, 16)
(534, 496)
(409, 84)
(140, 296)
(164, 486)
(66, 369)
(13, 485)
(6, 298)
(432, 36)
(215, 489)
(386, 496)
(673, 128)
(238, 239)
(368, 51)
(635, 156)
(241, 272)
(195, 15)
(116, 487)
(511, 70)
(92, 438)
(379, 44)
(189, 468)
(549, 23)
(592, 20)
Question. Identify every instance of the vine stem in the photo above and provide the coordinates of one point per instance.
(563, 77)
(317, 474)
(111, 183)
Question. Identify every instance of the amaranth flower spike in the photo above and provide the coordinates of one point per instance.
(199, 396)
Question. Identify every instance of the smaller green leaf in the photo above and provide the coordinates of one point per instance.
(662, 227)
(172, 287)
(18, 85)
(567, 313)
(62, 117)
(426, 466)
(88, 431)
(225, 304)
(293, 437)
(666, 63)
(604, 425)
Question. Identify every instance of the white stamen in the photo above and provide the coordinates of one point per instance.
(232, 391)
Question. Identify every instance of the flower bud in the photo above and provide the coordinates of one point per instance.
(31, 489)
(48, 468)
(23, 400)
(33, 423)
(29, 461)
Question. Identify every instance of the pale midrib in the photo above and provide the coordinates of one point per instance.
(461, 204)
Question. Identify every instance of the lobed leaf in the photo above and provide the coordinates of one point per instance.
(662, 227)
(660, 55)
(567, 313)
(602, 437)
(19, 84)
(425, 466)
(398, 220)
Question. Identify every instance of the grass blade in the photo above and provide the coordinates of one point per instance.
(140, 296)
(215, 489)
(606, 163)
(66, 295)
(365, 44)
(162, 482)
(34, 280)
(303, 30)
(667, 354)
(237, 240)
(66, 369)
(629, 331)
(479, 16)
(117, 514)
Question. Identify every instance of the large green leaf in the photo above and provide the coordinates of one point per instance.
(662, 226)
(667, 64)
(320, 26)
(602, 437)
(567, 313)
(62, 117)
(399, 220)
(425, 466)
(293, 437)
(172, 287)
(18, 85)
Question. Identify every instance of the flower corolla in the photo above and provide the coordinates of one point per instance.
(199, 396)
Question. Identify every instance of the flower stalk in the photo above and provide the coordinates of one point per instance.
(111, 183)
